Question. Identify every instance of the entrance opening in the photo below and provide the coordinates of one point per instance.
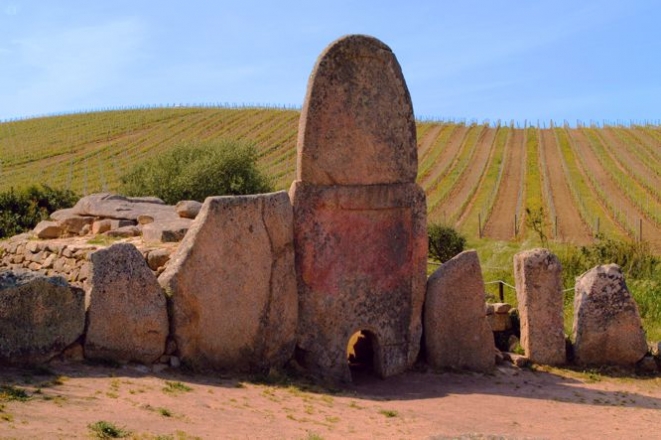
(360, 354)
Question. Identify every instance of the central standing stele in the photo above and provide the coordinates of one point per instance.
(359, 218)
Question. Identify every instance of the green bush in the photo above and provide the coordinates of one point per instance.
(20, 211)
(444, 242)
(197, 171)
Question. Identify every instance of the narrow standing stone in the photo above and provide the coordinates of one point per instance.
(538, 275)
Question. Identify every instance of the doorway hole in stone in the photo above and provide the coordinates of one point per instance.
(361, 354)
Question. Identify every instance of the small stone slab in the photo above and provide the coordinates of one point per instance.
(188, 208)
(46, 229)
(39, 317)
(457, 334)
(128, 319)
(607, 325)
(170, 231)
(357, 125)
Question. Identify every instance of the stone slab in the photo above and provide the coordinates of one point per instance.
(357, 125)
(232, 285)
(457, 334)
(361, 265)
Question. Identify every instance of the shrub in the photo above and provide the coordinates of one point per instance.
(197, 171)
(20, 211)
(444, 242)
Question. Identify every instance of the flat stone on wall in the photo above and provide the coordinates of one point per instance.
(232, 285)
(39, 317)
(538, 276)
(457, 334)
(128, 318)
(607, 326)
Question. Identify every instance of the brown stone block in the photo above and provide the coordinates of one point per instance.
(360, 262)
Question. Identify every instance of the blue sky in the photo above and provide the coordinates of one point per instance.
(473, 59)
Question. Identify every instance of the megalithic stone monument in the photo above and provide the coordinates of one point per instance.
(360, 231)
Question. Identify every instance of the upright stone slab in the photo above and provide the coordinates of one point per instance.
(359, 218)
(127, 314)
(538, 276)
(457, 333)
(232, 285)
(357, 125)
(607, 326)
(39, 317)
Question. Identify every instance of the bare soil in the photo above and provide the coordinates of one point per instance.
(500, 224)
(466, 186)
(615, 193)
(447, 156)
(508, 404)
(571, 226)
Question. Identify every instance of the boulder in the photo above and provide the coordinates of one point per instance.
(232, 285)
(457, 334)
(188, 208)
(124, 232)
(128, 318)
(101, 226)
(74, 224)
(39, 317)
(607, 326)
(157, 258)
(46, 229)
(169, 231)
(538, 279)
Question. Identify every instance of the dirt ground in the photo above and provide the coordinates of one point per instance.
(511, 403)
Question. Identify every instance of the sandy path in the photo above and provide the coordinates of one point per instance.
(466, 186)
(571, 226)
(510, 403)
(500, 224)
(618, 199)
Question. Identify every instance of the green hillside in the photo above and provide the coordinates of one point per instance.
(481, 179)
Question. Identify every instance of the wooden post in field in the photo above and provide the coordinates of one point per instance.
(640, 230)
(501, 291)
(479, 225)
(555, 227)
(596, 226)
(515, 228)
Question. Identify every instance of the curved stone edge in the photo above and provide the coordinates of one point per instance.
(357, 125)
